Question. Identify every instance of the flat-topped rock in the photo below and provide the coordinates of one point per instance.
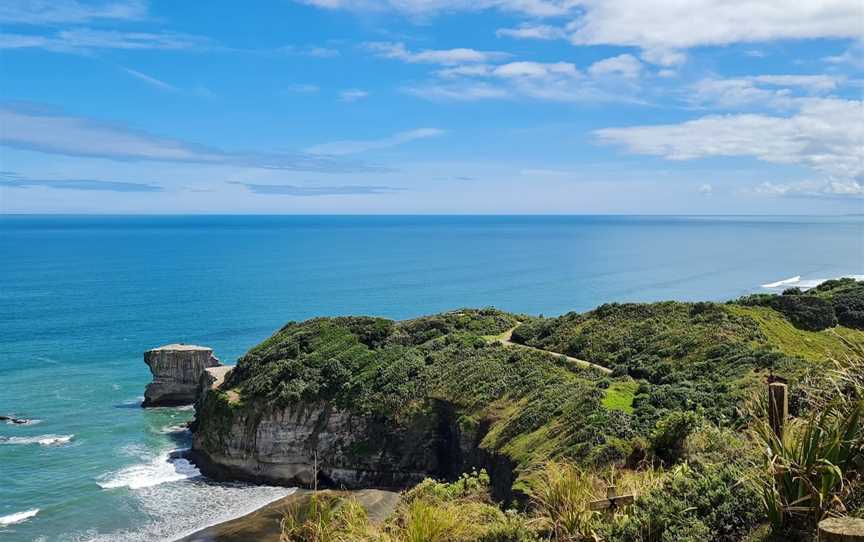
(177, 371)
(180, 347)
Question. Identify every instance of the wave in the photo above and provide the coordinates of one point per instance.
(18, 517)
(41, 440)
(169, 429)
(166, 467)
(783, 282)
(178, 510)
(807, 283)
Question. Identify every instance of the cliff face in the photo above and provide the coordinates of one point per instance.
(261, 442)
(177, 370)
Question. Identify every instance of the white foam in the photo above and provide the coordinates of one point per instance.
(784, 282)
(178, 510)
(23, 422)
(168, 429)
(41, 440)
(807, 283)
(160, 470)
(19, 517)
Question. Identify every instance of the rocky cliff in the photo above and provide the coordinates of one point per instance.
(177, 370)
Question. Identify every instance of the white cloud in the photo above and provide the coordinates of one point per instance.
(706, 189)
(752, 91)
(446, 57)
(152, 81)
(56, 133)
(825, 135)
(533, 32)
(623, 65)
(352, 95)
(663, 56)
(813, 83)
(82, 40)
(536, 70)
(338, 148)
(534, 8)
(673, 24)
(48, 12)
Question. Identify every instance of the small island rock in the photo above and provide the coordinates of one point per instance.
(177, 371)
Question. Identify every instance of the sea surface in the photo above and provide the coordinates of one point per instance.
(81, 298)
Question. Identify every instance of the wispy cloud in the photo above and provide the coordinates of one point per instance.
(446, 57)
(352, 95)
(338, 148)
(152, 81)
(48, 12)
(56, 133)
(86, 40)
(848, 188)
(774, 91)
(309, 50)
(311, 191)
(534, 8)
(303, 88)
(11, 180)
(531, 31)
(622, 65)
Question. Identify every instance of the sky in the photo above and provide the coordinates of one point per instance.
(432, 106)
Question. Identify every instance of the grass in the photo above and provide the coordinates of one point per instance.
(815, 346)
(619, 396)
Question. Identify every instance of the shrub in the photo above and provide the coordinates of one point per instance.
(560, 494)
(667, 439)
(692, 505)
(815, 466)
(806, 312)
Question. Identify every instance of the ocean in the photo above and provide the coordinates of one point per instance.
(82, 297)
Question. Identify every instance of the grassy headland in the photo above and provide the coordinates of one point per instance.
(673, 422)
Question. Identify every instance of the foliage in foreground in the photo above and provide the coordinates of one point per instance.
(816, 468)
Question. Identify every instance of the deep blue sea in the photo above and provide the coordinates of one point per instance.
(81, 298)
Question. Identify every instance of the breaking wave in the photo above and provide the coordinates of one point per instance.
(168, 466)
(804, 284)
(18, 517)
(41, 440)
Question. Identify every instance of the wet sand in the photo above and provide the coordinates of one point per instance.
(264, 524)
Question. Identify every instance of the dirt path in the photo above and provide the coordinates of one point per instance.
(507, 340)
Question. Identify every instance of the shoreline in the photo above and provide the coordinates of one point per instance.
(264, 523)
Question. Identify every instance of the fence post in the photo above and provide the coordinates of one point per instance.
(778, 407)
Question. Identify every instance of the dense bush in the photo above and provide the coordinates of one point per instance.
(832, 302)
(667, 439)
(693, 505)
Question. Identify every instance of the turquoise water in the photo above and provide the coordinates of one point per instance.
(82, 297)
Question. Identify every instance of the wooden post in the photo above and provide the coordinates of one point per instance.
(778, 407)
(841, 530)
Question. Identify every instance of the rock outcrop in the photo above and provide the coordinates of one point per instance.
(177, 371)
(262, 442)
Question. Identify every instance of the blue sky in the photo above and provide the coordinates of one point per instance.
(432, 106)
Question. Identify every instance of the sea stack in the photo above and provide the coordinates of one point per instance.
(177, 370)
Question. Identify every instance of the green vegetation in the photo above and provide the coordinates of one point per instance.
(619, 396)
(670, 424)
